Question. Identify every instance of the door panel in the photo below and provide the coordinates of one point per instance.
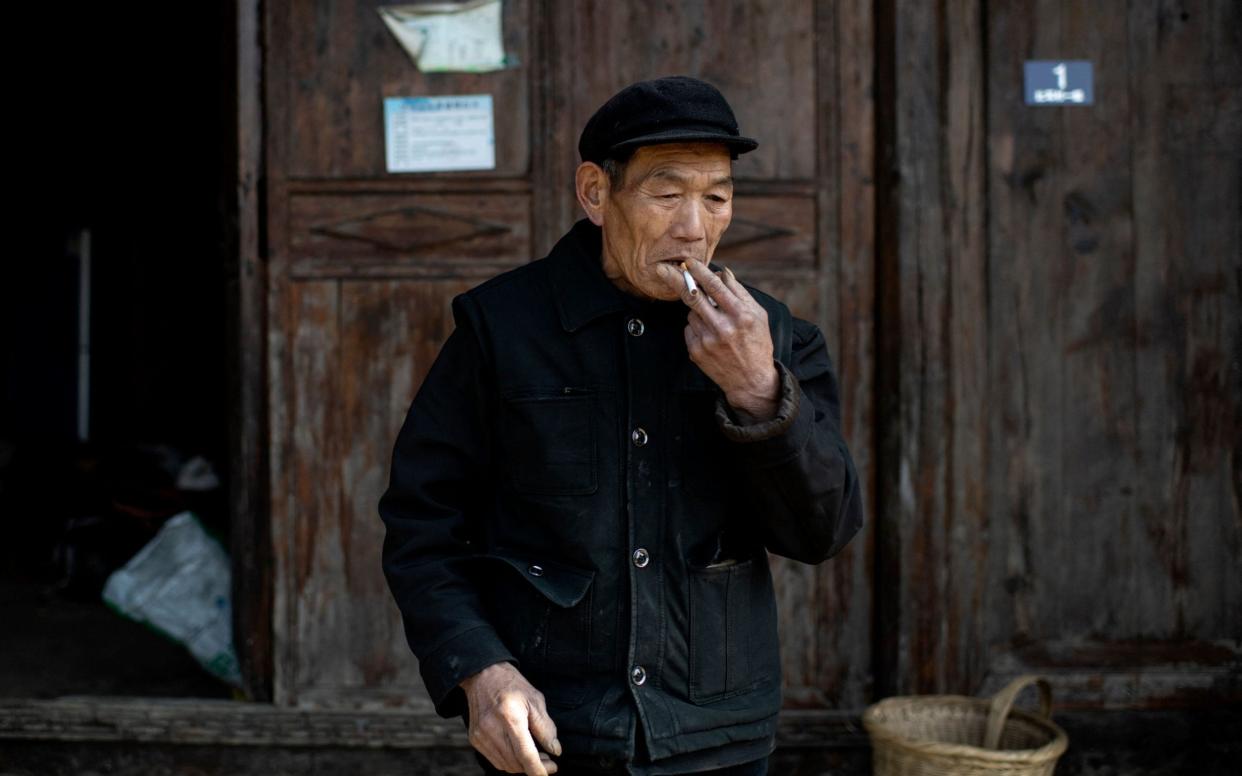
(347, 234)
(1113, 315)
(341, 61)
(1059, 303)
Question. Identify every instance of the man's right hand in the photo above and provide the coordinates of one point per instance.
(507, 718)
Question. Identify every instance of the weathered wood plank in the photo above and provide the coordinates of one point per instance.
(279, 336)
(1152, 744)
(230, 723)
(313, 519)
(352, 649)
(74, 758)
(1024, 150)
(1088, 270)
(555, 158)
(824, 611)
(886, 506)
(249, 536)
(1186, 513)
(66, 737)
(933, 348)
(1126, 674)
(966, 340)
(393, 333)
(846, 198)
(196, 721)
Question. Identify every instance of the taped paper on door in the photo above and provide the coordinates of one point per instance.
(449, 37)
(445, 133)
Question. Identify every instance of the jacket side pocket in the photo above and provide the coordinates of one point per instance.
(545, 622)
(733, 637)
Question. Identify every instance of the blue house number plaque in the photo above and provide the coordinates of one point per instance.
(1059, 82)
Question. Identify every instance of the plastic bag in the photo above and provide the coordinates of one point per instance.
(180, 585)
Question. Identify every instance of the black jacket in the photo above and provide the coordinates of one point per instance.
(571, 493)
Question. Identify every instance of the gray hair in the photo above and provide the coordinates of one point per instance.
(614, 168)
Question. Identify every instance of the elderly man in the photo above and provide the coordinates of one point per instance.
(588, 482)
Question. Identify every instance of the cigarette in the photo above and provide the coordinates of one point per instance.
(691, 286)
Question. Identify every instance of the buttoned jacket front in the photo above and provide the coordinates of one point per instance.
(571, 493)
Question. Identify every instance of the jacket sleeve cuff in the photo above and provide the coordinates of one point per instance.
(462, 656)
(770, 442)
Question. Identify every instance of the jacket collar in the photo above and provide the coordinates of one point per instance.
(583, 292)
(581, 289)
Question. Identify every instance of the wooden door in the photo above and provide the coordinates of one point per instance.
(364, 263)
(362, 267)
(1062, 308)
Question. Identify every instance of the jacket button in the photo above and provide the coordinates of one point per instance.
(638, 675)
(535, 571)
(639, 437)
(635, 327)
(641, 558)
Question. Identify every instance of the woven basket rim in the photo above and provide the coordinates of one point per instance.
(877, 729)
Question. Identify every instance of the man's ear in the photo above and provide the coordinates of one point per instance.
(591, 186)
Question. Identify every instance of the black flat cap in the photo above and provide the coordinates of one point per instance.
(676, 109)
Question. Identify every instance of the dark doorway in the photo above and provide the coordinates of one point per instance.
(116, 345)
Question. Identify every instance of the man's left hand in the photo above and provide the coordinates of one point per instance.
(731, 341)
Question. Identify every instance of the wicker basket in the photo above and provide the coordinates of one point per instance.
(938, 735)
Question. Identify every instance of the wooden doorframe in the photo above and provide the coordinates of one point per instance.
(249, 492)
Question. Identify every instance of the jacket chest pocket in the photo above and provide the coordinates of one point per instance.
(733, 637)
(549, 442)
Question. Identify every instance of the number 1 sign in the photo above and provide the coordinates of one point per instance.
(1059, 82)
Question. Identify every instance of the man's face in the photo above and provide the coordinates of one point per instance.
(675, 202)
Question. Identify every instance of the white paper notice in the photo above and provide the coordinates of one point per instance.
(449, 37)
(435, 134)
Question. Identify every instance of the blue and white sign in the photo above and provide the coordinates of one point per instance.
(439, 134)
(1059, 82)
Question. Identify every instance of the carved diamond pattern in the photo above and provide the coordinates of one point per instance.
(743, 232)
(413, 228)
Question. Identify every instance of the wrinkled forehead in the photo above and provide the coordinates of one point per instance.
(682, 162)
